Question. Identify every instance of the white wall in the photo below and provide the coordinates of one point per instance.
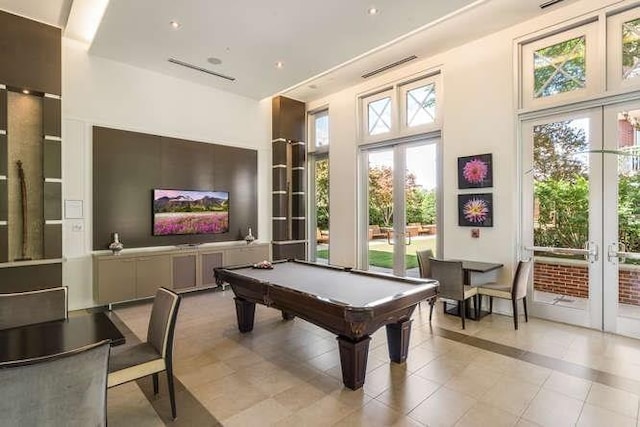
(479, 113)
(98, 91)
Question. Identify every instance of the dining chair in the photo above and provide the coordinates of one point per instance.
(424, 267)
(65, 389)
(517, 290)
(450, 275)
(424, 262)
(27, 308)
(156, 354)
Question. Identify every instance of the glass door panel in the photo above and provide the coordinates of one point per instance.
(401, 222)
(562, 217)
(380, 210)
(321, 187)
(622, 219)
(420, 204)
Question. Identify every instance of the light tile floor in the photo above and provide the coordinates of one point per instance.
(288, 373)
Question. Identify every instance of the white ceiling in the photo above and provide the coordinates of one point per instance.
(325, 45)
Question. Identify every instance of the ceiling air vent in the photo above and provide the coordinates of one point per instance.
(203, 70)
(389, 66)
(549, 3)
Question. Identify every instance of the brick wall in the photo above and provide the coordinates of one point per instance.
(625, 133)
(629, 287)
(573, 280)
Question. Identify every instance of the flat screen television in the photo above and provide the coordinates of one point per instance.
(190, 212)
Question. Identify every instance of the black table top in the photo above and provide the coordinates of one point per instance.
(480, 267)
(43, 339)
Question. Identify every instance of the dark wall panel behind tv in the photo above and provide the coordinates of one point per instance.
(127, 166)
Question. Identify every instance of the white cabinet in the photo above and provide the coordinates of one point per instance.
(152, 272)
(121, 278)
(116, 280)
(249, 254)
(184, 270)
(138, 274)
(209, 262)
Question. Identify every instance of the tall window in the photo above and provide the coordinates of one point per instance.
(319, 186)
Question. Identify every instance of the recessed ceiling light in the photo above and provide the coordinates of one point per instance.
(215, 61)
(279, 64)
(373, 10)
(25, 91)
(175, 25)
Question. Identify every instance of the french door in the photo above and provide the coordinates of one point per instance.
(399, 207)
(581, 216)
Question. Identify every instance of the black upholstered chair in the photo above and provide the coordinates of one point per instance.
(517, 290)
(156, 354)
(66, 389)
(451, 277)
(27, 308)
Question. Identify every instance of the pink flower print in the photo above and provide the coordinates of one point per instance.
(475, 171)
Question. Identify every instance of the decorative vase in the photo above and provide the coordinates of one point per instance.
(116, 246)
(249, 237)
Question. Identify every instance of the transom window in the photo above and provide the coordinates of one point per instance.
(421, 105)
(409, 107)
(319, 130)
(321, 127)
(560, 67)
(631, 49)
(379, 113)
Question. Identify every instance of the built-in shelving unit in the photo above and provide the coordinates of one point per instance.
(137, 273)
(30, 155)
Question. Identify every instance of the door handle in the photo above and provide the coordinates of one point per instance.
(592, 251)
(618, 252)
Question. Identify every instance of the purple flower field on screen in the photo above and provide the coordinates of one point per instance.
(191, 223)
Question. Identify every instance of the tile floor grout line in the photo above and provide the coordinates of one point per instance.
(555, 364)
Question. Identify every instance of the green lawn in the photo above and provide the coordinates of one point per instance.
(378, 258)
(381, 253)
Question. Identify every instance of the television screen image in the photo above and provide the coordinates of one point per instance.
(190, 212)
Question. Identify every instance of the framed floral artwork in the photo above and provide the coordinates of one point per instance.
(475, 210)
(475, 171)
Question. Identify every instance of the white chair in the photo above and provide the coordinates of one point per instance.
(27, 308)
(512, 291)
(156, 354)
(67, 389)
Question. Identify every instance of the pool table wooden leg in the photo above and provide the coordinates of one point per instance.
(398, 335)
(353, 358)
(287, 316)
(245, 311)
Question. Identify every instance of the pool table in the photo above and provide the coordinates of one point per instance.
(349, 303)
